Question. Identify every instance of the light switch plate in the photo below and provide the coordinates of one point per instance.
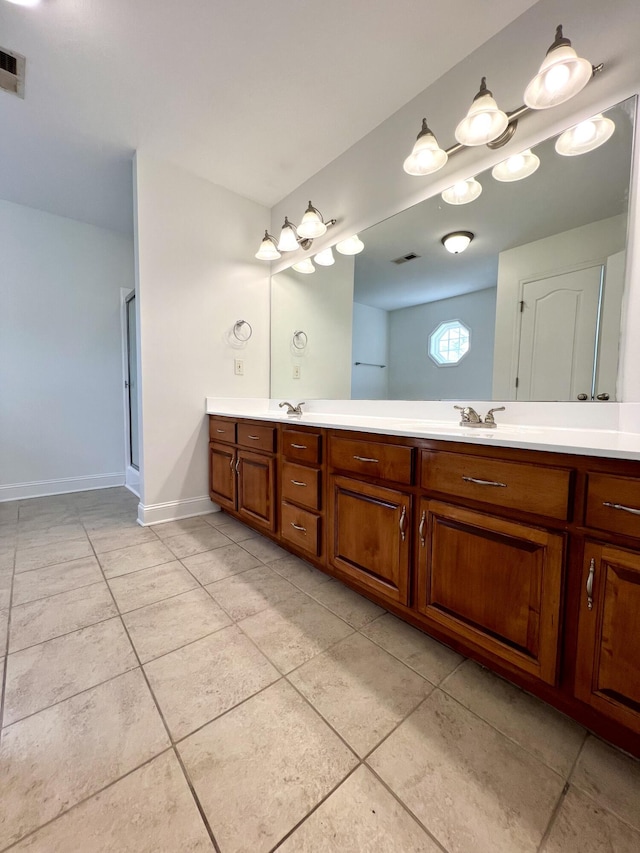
(238, 367)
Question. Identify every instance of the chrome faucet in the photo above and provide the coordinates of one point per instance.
(292, 410)
(470, 418)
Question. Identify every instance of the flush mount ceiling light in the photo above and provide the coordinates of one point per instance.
(427, 156)
(292, 238)
(517, 167)
(351, 246)
(586, 136)
(561, 76)
(268, 250)
(463, 192)
(457, 241)
(306, 266)
(484, 121)
(325, 258)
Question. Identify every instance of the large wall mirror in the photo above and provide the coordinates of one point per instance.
(531, 310)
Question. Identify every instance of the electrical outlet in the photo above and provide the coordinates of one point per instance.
(296, 371)
(238, 367)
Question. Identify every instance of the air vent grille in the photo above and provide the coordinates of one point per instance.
(12, 66)
(405, 258)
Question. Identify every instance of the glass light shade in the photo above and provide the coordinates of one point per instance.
(561, 76)
(427, 156)
(325, 258)
(457, 242)
(586, 136)
(516, 167)
(288, 241)
(463, 192)
(350, 246)
(305, 266)
(484, 121)
(267, 250)
(312, 225)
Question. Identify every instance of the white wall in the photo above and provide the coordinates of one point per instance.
(61, 399)
(414, 375)
(371, 345)
(196, 276)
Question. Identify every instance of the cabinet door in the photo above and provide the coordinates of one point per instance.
(607, 671)
(256, 492)
(369, 535)
(222, 475)
(493, 582)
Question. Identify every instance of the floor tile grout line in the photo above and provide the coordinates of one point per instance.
(552, 817)
(3, 684)
(53, 594)
(59, 636)
(137, 571)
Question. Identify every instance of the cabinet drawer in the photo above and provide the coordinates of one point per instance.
(301, 485)
(257, 437)
(301, 446)
(613, 503)
(513, 485)
(301, 528)
(222, 430)
(372, 458)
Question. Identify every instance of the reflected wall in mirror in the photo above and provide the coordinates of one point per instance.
(540, 288)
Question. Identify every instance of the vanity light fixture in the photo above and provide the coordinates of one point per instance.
(325, 258)
(561, 76)
(305, 266)
(516, 167)
(427, 156)
(484, 121)
(289, 240)
(292, 238)
(463, 192)
(586, 136)
(268, 250)
(457, 241)
(351, 246)
(313, 224)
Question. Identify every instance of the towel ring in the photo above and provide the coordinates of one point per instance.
(299, 339)
(237, 330)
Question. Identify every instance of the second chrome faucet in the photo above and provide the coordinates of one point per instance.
(470, 418)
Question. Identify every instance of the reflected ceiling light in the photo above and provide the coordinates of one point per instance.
(457, 241)
(313, 224)
(268, 250)
(561, 76)
(426, 156)
(516, 167)
(306, 266)
(25, 2)
(586, 136)
(484, 121)
(350, 246)
(463, 192)
(325, 258)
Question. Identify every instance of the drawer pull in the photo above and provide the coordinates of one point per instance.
(403, 523)
(238, 467)
(484, 482)
(592, 571)
(298, 483)
(254, 437)
(365, 459)
(421, 528)
(220, 430)
(299, 446)
(298, 527)
(231, 463)
(623, 508)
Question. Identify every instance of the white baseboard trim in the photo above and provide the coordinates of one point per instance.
(175, 510)
(62, 486)
(132, 480)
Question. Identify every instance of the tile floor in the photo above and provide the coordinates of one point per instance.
(192, 687)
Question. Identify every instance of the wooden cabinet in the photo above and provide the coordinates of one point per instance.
(492, 582)
(302, 503)
(256, 488)
(222, 475)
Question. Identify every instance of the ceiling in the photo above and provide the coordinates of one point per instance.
(253, 96)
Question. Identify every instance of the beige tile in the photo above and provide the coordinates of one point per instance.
(183, 525)
(581, 826)
(196, 541)
(347, 604)
(611, 778)
(7, 556)
(51, 555)
(113, 522)
(537, 727)
(235, 530)
(216, 518)
(361, 816)
(264, 549)
(4, 621)
(141, 588)
(43, 520)
(50, 672)
(360, 690)
(166, 625)
(60, 614)
(422, 653)
(198, 682)
(149, 811)
(43, 537)
(9, 511)
(112, 540)
(211, 566)
(299, 572)
(135, 557)
(41, 583)
(247, 593)
(474, 790)
(259, 769)
(6, 579)
(69, 751)
(295, 630)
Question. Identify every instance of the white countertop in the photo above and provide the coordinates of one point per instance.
(425, 420)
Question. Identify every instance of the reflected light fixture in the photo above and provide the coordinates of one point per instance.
(313, 224)
(351, 246)
(268, 250)
(516, 167)
(586, 136)
(484, 122)
(463, 192)
(325, 258)
(457, 241)
(561, 76)
(305, 266)
(427, 156)
(25, 2)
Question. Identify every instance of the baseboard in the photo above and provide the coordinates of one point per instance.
(132, 480)
(43, 488)
(175, 510)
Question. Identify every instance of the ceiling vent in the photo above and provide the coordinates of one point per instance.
(405, 258)
(12, 72)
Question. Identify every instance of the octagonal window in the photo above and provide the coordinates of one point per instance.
(449, 342)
